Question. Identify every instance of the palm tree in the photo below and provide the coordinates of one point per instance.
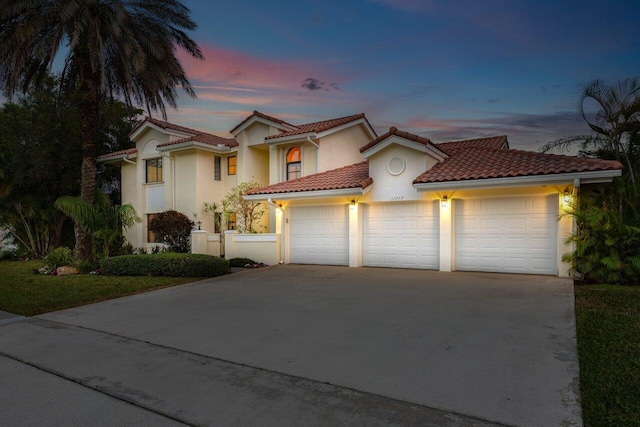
(113, 48)
(101, 219)
(616, 124)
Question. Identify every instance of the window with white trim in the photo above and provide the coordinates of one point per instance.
(294, 164)
(153, 170)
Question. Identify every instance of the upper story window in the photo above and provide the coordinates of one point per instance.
(294, 166)
(217, 168)
(154, 170)
(231, 165)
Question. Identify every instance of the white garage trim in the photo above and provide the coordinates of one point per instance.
(507, 235)
(319, 234)
(401, 235)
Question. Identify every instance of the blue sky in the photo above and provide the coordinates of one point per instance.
(443, 69)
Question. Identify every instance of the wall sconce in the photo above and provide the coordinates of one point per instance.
(567, 198)
(444, 201)
(352, 204)
(199, 223)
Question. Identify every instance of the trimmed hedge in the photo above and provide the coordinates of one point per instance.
(165, 264)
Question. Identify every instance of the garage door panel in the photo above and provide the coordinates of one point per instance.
(516, 234)
(319, 235)
(402, 235)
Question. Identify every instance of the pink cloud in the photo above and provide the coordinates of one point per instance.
(225, 67)
(234, 98)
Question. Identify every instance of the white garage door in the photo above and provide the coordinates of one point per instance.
(319, 235)
(510, 235)
(402, 235)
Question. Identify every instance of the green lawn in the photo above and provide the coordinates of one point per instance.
(608, 323)
(22, 292)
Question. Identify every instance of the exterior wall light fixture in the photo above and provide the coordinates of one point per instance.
(567, 196)
(444, 201)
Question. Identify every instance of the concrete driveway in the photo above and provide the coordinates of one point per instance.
(314, 345)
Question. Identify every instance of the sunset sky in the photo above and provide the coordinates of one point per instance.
(443, 69)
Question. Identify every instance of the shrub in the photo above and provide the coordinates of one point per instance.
(86, 267)
(174, 229)
(607, 246)
(241, 262)
(165, 264)
(59, 257)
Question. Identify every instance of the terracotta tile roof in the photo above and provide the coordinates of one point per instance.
(352, 176)
(492, 142)
(319, 126)
(118, 153)
(264, 116)
(205, 138)
(474, 162)
(402, 134)
(195, 135)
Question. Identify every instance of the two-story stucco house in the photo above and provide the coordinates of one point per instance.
(174, 167)
(339, 194)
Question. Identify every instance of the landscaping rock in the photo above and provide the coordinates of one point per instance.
(66, 270)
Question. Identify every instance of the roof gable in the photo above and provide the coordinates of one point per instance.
(323, 128)
(395, 136)
(257, 116)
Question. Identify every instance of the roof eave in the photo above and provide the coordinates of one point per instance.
(220, 148)
(118, 158)
(291, 138)
(591, 177)
(355, 191)
(359, 121)
(147, 124)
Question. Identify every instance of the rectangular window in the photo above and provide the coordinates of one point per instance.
(154, 170)
(151, 236)
(231, 224)
(217, 168)
(294, 170)
(231, 165)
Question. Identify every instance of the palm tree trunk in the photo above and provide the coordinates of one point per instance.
(90, 115)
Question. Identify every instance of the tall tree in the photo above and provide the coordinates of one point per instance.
(113, 48)
(40, 159)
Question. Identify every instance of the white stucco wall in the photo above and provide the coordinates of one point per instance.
(342, 148)
(389, 187)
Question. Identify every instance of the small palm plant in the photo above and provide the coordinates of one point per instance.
(102, 220)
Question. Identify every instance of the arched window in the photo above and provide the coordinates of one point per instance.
(294, 166)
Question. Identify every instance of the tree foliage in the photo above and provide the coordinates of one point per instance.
(173, 228)
(248, 212)
(113, 49)
(40, 157)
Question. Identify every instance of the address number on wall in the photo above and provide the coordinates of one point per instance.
(397, 198)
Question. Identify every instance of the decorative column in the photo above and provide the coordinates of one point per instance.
(229, 250)
(198, 242)
(446, 234)
(355, 235)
